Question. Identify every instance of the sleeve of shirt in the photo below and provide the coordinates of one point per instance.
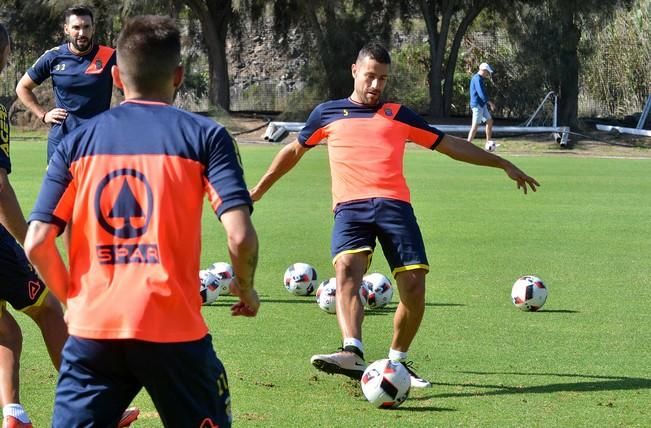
(224, 175)
(56, 198)
(312, 132)
(419, 130)
(481, 91)
(40, 71)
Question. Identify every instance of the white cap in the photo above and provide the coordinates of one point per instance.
(485, 66)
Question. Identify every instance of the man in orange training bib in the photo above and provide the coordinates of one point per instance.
(366, 143)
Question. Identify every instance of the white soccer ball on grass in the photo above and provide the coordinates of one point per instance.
(529, 293)
(326, 295)
(300, 279)
(224, 273)
(208, 286)
(380, 290)
(386, 383)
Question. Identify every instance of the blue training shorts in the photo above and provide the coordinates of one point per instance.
(99, 378)
(19, 284)
(392, 222)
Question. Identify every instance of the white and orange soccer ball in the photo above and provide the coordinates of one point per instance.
(529, 293)
(386, 383)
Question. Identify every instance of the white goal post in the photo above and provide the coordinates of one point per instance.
(638, 130)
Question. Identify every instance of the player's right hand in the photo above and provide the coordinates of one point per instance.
(56, 115)
(255, 194)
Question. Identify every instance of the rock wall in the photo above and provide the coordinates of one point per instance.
(263, 69)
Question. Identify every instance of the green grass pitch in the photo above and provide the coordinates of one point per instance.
(583, 360)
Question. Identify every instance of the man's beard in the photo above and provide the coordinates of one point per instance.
(89, 44)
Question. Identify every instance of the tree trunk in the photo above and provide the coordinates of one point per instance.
(448, 86)
(442, 68)
(324, 48)
(436, 58)
(215, 16)
(569, 72)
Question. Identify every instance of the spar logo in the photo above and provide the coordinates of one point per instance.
(124, 204)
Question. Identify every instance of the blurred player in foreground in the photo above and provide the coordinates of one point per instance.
(131, 182)
(19, 284)
(22, 287)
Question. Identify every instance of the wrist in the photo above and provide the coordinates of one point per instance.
(43, 117)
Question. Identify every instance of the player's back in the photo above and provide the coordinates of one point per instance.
(132, 185)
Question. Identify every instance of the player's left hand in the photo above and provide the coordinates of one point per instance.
(249, 301)
(521, 178)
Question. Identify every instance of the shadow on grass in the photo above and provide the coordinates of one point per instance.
(232, 299)
(389, 309)
(410, 409)
(598, 383)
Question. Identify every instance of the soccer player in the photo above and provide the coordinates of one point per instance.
(480, 103)
(131, 183)
(81, 78)
(20, 286)
(366, 142)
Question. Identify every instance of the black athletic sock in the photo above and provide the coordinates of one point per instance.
(355, 350)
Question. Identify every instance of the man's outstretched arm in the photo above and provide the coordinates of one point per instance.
(464, 151)
(282, 163)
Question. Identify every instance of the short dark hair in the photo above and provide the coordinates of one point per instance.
(376, 51)
(148, 51)
(79, 11)
(4, 38)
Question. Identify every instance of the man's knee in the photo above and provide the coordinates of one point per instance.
(411, 285)
(44, 312)
(351, 263)
(10, 334)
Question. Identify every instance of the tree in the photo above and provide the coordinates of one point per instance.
(340, 28)
(447, 22)
(549, 33)
(44, 30)
(215, 16)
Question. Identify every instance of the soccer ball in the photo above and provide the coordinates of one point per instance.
(363, 293)
(386, 383)
(208, 286)
(326, 295)
(224, 273)
(490, 146)
(300, 279)
(380, 290)
(529, 293)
